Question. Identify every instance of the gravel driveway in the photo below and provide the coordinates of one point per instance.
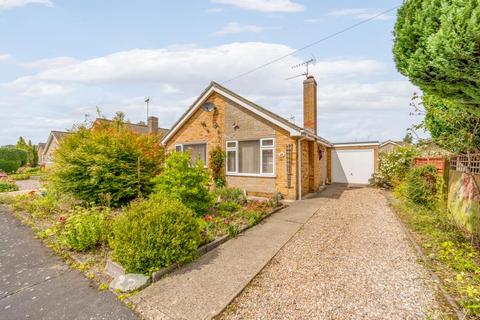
(352, 260)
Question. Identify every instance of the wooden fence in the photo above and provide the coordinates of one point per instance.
(466, 163)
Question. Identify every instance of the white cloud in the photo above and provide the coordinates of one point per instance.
(234, 27)
(352, 92)
(9, 4)
(264, 5)
(4, 56)
(360, 13)
(49, 63)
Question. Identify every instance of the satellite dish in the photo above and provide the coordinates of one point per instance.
(208, 106)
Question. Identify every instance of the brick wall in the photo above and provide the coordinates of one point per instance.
(235, 122)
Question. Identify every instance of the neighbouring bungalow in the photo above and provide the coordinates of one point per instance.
(390, 145)
(150, 128)
(51, 145)
(266, 153)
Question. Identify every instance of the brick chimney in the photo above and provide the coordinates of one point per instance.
(153, 125)
(310, 104)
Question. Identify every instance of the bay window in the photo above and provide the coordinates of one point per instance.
(251, 157)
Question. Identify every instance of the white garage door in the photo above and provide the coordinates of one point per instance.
(353, 166)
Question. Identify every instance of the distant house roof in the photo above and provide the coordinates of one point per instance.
(54, 135)
(397, 143)
(41, 145)
(271, 117)
(137, 128)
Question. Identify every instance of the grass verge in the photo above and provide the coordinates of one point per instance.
(451, 256)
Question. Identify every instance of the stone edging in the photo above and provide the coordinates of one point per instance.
(453, 304)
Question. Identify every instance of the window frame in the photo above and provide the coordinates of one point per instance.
(182, 148)
(237, 164)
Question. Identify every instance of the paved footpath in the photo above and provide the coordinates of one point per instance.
(352, 260)
(203, 288)
(35, 284)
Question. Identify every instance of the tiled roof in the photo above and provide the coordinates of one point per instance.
(137, 128)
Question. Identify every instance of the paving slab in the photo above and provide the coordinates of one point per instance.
(201, 289)
(35, 284)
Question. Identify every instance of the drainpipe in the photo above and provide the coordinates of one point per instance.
(299, 166)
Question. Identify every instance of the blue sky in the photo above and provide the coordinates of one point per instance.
(61, 59)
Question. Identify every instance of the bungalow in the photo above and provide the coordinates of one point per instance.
(51, 145)
(390, 145)
(266, 153)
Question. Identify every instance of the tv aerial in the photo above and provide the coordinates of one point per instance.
(303, 64)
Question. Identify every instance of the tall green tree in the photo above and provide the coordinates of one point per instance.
(452, 128)
(437, 46)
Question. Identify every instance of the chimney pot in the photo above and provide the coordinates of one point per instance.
(310, 104)
(153, 125)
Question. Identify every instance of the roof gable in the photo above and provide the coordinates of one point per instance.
(267, 115)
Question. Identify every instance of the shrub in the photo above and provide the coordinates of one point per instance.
(230, 194)
(155, 233)
(420, 185)
(9, 166)
(107, 162)
(217, 166)
(20, 176)
(84, 230)
(7, 185)
(394, 166)
(187, 182)
(14, 154)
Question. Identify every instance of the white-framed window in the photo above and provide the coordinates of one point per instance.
(198, 151)
(251, 157)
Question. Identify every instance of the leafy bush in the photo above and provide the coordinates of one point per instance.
(7, 185)
(155, 233)
(187, 182)
(394, 166)
(9, 166)
(217, 166)
(420, 185)
(84, 229)
(230, 194)
(20, 176)
(108, 162)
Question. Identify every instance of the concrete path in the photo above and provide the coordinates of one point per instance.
(352, 260)
(203, 288)
(35, 284)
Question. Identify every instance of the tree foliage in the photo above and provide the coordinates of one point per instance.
(108, 164)
(452, 128)
(437, 46)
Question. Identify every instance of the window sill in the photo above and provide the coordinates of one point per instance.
(253, 175)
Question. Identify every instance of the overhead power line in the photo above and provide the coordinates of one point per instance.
(330, 36)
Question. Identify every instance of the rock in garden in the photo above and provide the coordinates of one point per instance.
(129, 282)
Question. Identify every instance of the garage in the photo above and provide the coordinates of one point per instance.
(354, 163)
